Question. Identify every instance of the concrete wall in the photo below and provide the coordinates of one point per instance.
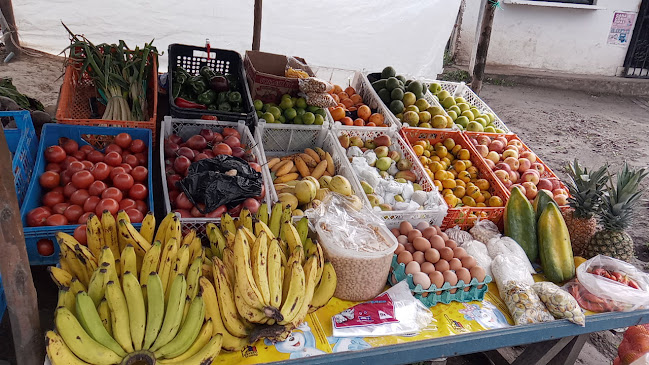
(549, 38)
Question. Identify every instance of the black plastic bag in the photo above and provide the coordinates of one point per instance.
(208, 183)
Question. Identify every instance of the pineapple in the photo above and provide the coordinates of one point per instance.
(617, 211)
(586, 189)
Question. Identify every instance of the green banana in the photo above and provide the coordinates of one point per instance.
(173, 314)
(303, 229)
(92, 323)
(155, 312)
(275, 219)
(136, 308)
(188, 333)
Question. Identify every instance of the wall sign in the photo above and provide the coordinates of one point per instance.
(620, 33)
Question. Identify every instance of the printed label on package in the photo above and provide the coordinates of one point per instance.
(374, 312)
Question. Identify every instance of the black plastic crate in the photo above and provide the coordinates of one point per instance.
(192, 58)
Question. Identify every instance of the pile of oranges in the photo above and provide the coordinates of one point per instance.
(350, 101)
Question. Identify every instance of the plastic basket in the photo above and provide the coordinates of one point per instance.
(74, 101)
(192, 58)
(429, 297)
(98, 137)
(23, 144)
(433, 215)
(186, 128)
(464, 216)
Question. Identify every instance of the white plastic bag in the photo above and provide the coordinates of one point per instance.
(484, 230)
(510, 269)
(504, 245)
(479, 252)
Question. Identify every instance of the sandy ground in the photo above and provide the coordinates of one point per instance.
(557, 125)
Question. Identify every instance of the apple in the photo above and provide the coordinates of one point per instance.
(538, 167)
(524, 165)
(561, 199)
(510, 152)
(530, 190)
(544, 184)
(496, 146)
(518, 186)
(513, 176)
(502, 175)
(556, 184)
(503, 166)
(493, 156)
(474, 141)
(529, 155)
(530, 175)
(490, 164)
(482, 150)
(556, 192)
(512, 162)
(515, 142)
(508, 184)
(484, 140)
(502, 140)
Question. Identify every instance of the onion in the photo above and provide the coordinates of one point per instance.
(175, 139)
(171, 148)
(208, 134)
(238, 152)
(187, 152)
(197, 142)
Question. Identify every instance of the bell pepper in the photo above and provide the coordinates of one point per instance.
(212, 107)
(224, 107)
(222, 97)
(184, 103)
(180, 77)
(206, 98)
(233, 81)
(207, 73)
(234, 97)
(237, 109)
(197, 84)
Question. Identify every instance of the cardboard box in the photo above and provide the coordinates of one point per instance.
(265, 74)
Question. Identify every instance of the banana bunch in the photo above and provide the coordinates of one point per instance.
(268, 275)
(132, 296)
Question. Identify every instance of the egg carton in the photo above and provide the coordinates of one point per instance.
(429, 297)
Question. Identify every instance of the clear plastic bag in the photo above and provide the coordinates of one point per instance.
(314, 85)
(321, 100)
(394, 312)
(479, 252)
(504, 245)
(458, 235)
(510, 269)
(559, 303)
(523, 303)
(297, 69)
(484, 230)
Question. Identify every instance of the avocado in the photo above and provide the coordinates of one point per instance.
(397, 94)
(401, 85)
(378, 85)
(416, 88)
(388, 72)
(392, 83)
(384, 94)
(401, 78)
(396, 106)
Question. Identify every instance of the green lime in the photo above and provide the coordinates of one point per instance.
(286, 96)
(319, 119)
(281, 119)
(258, 104)
(290, 113)
(308, 118)
(270, 118)
(275, 111)
(286, 103)
(298, 120)
(301, 103)
(312, 108)
(259, 113)
(321, 112)
(396, 106)
(268, 106)
(396, 94)
(300, 111)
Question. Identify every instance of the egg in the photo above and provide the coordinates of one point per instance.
(444, 236)
(459, 252)
(468, 262)
(402, 239)
(404, 257)
(419, 257)
(400, 249)
(429, 232)
(454, 263)
(432, 255)
(422, 225)
(450, 244)
(427, 267)
(436, 242)
(404, 228)
(420, 278)
(409, 247)
(437, 229)
(395, 232)
(451, 278)
(412, 267)
(437, 279)
(442, 265)
(478, 273)
(413, 234)
(421, 244)
(446, 253)
(464, 275)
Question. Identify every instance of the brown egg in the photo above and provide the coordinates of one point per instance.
(439, 230)
(468, 262)
(464, 275)
(419, 257)
(395, 232)
(478, 273)
(400, 249)
(429, 232)
(412, 267)
(413, 234)
(453, 264)
(420, 278)
(444, 236)
(422, 225)
(404, 257)
(437, 242)
(459, 252)
(427, 267)
(409, 247)
(421, 244)
(442, 265)
(402, 239)
(450, 244)
(451, 278)
(446, 253)
(437, 279)
(432, 255)
(404, 228)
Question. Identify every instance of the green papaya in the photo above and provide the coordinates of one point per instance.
(541, 201)
(520, 223)
(554, 245)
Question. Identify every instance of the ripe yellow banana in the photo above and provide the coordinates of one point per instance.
(148, 227)
(227, 224)
(205, 355)
(119, 316)
(129, 260)
(249, 235)
(167, 260)
(228, 260)
(196, 249)
(94, 235)
(66, 299)
(259, 262)
(129, 235)
(262, 213)
(285, 219)
(229, 313)
(97, 285)
(76, 286)
(155, 309)
(136, 308)
(275, 219)
(86, 257)
(325, 289)
(174, 230)
(310, 269)
(213, 313)
(292, 237)
(202, 339)
(104, 314)
(180, 265)
(321, 261)
(245, 217)
(58, 352)
(295, 294)
(262, 227)
(109, 226)
(243, 272)
(164, 226)
(188, 238)
(91, 322)
(60, 277)
(188, 333)
(303, 230)
(107, 261)
(308, 243)
(217, 240)
(173, 314)
(193, 274)
(274, 269)
(150, 262)
(252, 315)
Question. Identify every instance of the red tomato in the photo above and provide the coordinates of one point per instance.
(123, 181)
(131, 160)
(137, 146)
(113, 147)
(70, 146)
(230, 132)
(50, 179)
(37, 217)
(100, 171)
(58, 189)
(68, 190)
(172, 180)
(84, 218)
(221, 149)
(173, 194)
(65, 177)
(87, 165)
(182, 202)
(52, 198)
(138, 192)
(55, 154)
(141, 159)
(236, 210)
(218, 212)
(184, 213)
(123, 140)
(127, 204)
(255, 166)
(135, 215)
(108, 204)
(45, 247)
(113, 158)
(73, 213)
(97, 187)
(55, 167)
(80, 235)
(56, 220)
(139, 173)
(141, 206)
(112, 193)
(60, 208)
(95, 156)
(91, 204)
(127, 168)
(79, 197)
(116, 171)
(82, 179)
(75, 166)
(79, 155)
(67, 161)
(86, 148)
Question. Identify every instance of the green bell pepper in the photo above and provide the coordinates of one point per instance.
(224, 107)
(222, 97)
(197, 84)
(212, 107)
(234, 97)
(208, 97)
(207, 73)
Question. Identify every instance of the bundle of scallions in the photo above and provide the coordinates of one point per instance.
(119, 73)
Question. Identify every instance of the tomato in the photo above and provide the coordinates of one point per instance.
(123, 140)
(218, 212)
(173, 194)
(135, 215)
(95, 156)
(91, 204)
(37, 217)
(65, 177)
(141, 206)
(131, 160)
(139, 173)
(82, 179)
(70, 146)
(79, 197)
(67, 161)
(58, 189)
(184, 213)
(73, 213)
(112, 193)
(197, 213)
(182, 202)
(52, 198)
(108, 204)
(127, 168)
(255, 166)
(138, 192)
(56, 220)
(172, 180)
(127, 204)
(55, 154)
(45, 247)
(75, 166)
(84, 218)
(50, 179)
(116, 171)
(263, 192)
(86, 148)
(87, 165)
(60, 208)
(68, 190)
(100, 171)
(79, 155)
(113, 158)
(123, 181)
(141, 159)
(52, 166)
(80, 235)
(97, 187)
(221, 149)
(137, 146)
(113, 147)
(230, 132)
(236, 210)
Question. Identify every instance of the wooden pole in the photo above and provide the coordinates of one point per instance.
(483, 46)
(8, 12)
(17, 280)
(256, 27)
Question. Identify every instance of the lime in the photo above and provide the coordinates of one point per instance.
(258, 104)
(290, 113)
(321, 112)
(308, 118)
(281, 119)
(298, 120)
(312, 108)
(396, 106)
(286, 103)
(301, 103)
(300, 112)
(286, 96)
(270, 118)
(409, 98)
(388, 72)
(294, 100)
(384, 95)
(392, 83)
(275, 111)
(319, 119)
(412, 108)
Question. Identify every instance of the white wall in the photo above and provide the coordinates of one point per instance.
(549, 38)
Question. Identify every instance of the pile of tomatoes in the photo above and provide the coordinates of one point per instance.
(80, 181)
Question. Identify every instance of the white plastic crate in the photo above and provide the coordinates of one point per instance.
(186, 128)
(434, 215)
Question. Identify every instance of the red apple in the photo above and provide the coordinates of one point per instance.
(474, 141)
(508, 184)
(524, 164)
(497, 146)
(482, 150)
(530, 190)
(512, 162)
(556, 184)
(515, 142)
(529, 155)
(490, 164)
(538, 167)
(502, 175)
(513, 176)
(556, 192)
(544, 184)
(484, 140)
(503, 166)
(502, 140)
(531, 175)
(561, 199)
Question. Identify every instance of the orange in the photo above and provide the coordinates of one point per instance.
(364, 112)
(482, 184)
(348, 103)
(347, 121)
(370, 124)
(359, 122)
(438, 184)
(377, 119)
(357, 99)
(337, 113)
(419, 150)
(350, 90)
(343, 95)
(351, 108)
(337, 89)
(336, 98)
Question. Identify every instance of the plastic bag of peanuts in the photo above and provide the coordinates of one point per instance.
(559, 302)
(524, 304)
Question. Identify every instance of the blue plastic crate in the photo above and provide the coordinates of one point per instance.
(3, 301)
(98, 137)
(23, 145)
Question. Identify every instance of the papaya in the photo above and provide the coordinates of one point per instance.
(520, 223)
(541, 200)
(554, 245)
